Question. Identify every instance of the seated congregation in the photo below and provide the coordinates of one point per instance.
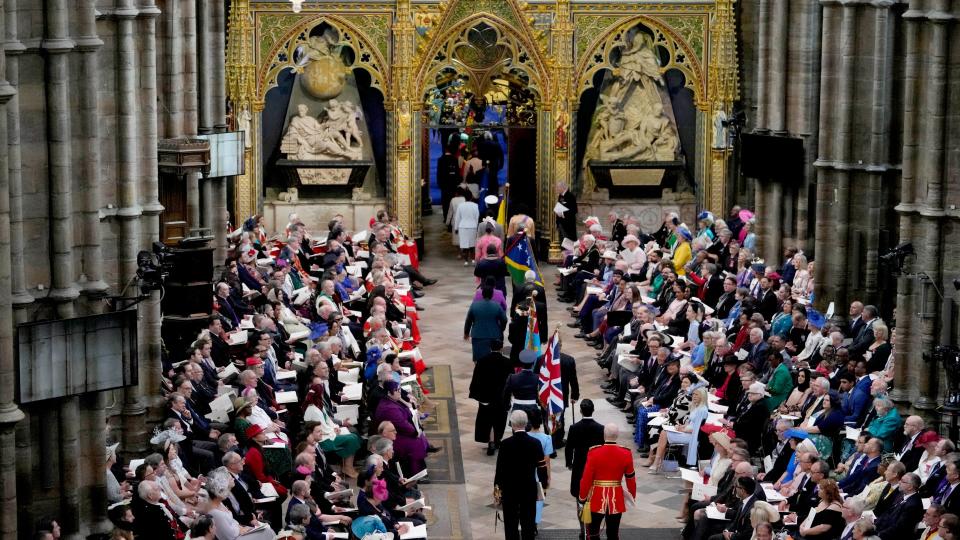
(776, 415)
(298, 410)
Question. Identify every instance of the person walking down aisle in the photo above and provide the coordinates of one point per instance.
(601, 488)
(466, 219)
(584, 435)
(520, 463)
(489, 376)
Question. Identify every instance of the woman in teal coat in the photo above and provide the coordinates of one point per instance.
(887, 423)
(485, 323)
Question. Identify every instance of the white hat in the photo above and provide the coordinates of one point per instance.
(609, 255)
(112, 450)
(491, 199)
(631, 238)
(758, 388)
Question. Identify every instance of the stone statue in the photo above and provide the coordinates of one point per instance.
(561, 124)
(630, 122)
(403, 124)
(719, 130)
(243, 124)
(336, 138)
(324, 73)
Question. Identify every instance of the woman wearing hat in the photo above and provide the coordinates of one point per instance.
(411, 444)
(633, 254)
(682, 252)
(255, 461)
(488, 238)
(466, 219)
(336, 438)
(763, 513)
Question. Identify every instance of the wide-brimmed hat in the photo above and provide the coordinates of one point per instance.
(631, 238)
(240, 404)
(491, 199)
(254, 361)
(771, 514)
(796, 433)
(609, 254)
(720, 438)
(167, 435)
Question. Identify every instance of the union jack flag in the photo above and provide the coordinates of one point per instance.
(551, 393)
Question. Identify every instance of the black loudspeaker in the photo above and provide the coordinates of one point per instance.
(190, 265)
(179, 332)
(772, 157)
(184, 300)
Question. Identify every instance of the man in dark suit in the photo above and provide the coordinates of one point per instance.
(584, 435)
(153, 518)
(949, 495)
(901, 520)
(852, 328)
(740, 527)
(519, 464)
(890, 494)
(808, 496)
(728, 298)
(567, 222)
(939, 471)
(864, 470)
(768, 296)
(757, 358)
(909, 453)
(448, 175)
(864, 338)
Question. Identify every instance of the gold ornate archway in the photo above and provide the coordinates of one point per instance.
(566, 42)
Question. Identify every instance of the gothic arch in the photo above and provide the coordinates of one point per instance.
(281, 55)
(682, 56)
(534, 65)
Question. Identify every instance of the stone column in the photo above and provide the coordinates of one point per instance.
(149, 366)
(89, 43)
(932, 212)
(205, 63)
(10, 414)
(14, 48)
(777, 47)
(907, 209)
(135, 432)
(218, 47)
(763, 65)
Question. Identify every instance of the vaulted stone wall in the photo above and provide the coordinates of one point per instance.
(79, 125)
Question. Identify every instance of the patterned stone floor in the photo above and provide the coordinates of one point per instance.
(463, 511)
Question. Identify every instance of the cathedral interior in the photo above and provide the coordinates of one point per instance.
(134, 132)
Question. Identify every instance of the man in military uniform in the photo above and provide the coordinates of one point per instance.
(519, 465)
(520, 391)
(600, 487)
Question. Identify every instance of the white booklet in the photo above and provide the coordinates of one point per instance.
(348, 412)
(231, 369)
(285, 374)
(413, 531)
(287, 397)
(352, 392)
(702, 491)
(713, 513)
(559, 209)
(345, 494)
(267, 489)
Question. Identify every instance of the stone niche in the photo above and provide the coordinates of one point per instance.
(649, 212)
(317, 212)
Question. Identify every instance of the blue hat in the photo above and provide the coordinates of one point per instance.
(796, 433)
(528, 357)
(815, 318)
(391, 386)
(685, 232)
(706, 215)
(365, 525)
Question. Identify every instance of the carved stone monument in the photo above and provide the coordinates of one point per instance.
(335, 138)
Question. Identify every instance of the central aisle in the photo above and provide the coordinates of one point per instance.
(462, 508)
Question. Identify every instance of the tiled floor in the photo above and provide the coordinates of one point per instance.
(442, 343)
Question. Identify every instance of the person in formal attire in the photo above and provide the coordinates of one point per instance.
(522, 388)
(901, 520)
(739, 527)
(931, 522)
(448, 176)
(584, 435)
(484, 324)
(519, 465)
(909, 452)
(567, 220)
(486, 387)
(153, 519)
(601, 486)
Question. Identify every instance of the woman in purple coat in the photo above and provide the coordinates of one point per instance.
(411, 444)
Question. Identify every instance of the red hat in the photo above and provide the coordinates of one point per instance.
(253, 431)
(254, 361)
(926, 437)
(774, 275)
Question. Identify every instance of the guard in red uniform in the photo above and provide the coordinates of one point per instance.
(601, 484)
